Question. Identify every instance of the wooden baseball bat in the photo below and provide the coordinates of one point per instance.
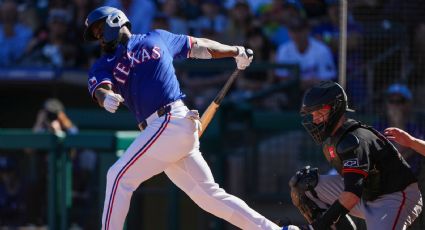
(209, 113)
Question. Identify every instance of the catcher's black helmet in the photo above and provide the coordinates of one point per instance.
(325, 94)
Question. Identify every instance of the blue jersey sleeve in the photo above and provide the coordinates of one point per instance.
(178, 45)
(99, 74)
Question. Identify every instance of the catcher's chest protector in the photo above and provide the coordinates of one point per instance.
(330, 144)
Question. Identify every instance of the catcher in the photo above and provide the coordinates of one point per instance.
(374, 182)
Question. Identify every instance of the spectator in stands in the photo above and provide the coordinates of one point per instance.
(139, 12)
(314, 9)
(255, 80)
(407, 132)
(29, 16)
(418, 56)
(327, 31)
(191, 10)
(313, 57)
(211, 22)
(240, 20)
(254, 5)
(202, 85)
(177, 23)
(398, 113)
(408, 12)
(12, 194)
(85, 51)
(52, 118)
(14, 36)
(264, 53)
(161, 21)
(79, 9)
(52, 46)
(276, 16)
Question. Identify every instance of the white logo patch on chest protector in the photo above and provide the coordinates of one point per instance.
(351, 163)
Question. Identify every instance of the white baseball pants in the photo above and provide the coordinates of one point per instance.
(170, 144)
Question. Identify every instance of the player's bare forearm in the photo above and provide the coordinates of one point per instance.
(216, 49)
(101, 92)
(348, 200)
(418, 145)
(405, 139)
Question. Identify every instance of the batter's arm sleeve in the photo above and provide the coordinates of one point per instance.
(204, 48)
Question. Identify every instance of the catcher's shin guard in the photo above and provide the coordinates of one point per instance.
(305, 180)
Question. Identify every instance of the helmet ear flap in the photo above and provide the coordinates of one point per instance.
(112, 16)
(113, 24)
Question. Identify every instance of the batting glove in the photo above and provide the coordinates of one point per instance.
(242, 59)
(112, 101)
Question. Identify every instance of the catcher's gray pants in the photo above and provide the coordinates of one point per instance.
(391, 211)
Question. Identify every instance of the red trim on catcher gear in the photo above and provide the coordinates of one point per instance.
(357, 171)
(326, 107)
(127, 166)
(399, 210)
(331, 150)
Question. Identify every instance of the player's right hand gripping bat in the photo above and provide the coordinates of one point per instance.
(209, 113)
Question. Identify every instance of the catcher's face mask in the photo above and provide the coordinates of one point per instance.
(315, 121)
(323, 106)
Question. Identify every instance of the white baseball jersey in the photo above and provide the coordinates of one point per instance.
(315, 62)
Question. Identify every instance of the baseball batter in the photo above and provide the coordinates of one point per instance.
(374, 182)
(137, 71)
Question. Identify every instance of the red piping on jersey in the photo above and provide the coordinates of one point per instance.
(190, 46)
(97, 86)
(358, 171)
(399, 210)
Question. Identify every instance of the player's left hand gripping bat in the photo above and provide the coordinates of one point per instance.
(209, 113)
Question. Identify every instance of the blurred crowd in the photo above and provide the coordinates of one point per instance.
(48, 33)
(24, 177)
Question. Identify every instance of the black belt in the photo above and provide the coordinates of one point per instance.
(160, 112)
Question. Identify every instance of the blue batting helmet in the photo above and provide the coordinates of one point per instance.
(114, 19)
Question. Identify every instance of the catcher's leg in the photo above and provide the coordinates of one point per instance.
(194, 177)
(313, 199)
(395, 210)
